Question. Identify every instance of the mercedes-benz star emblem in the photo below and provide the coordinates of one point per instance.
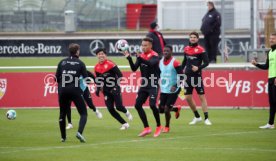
(94, 45)
(229, 47)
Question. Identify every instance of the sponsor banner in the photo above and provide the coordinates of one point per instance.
(223, 88)
(59, 47)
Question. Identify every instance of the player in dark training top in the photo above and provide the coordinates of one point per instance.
(107, 75)
(68, 73)
(148, 64)
(195, 59)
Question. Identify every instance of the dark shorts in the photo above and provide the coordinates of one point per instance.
(144, 93)
(168, 99)
(194, 82)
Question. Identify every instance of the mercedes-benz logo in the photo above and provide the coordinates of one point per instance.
(229, 46)
(94, 45)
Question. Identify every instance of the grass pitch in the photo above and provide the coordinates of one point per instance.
(234, 136)
(89, 61)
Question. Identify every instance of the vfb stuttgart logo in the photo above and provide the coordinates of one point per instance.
(3, 87)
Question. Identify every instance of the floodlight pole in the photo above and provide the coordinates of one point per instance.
(222, 32)
(119, 15)
(253, 24)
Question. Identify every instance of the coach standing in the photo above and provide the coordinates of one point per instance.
(68, 74)
(210, 28)
(270, 64)
(158, 43)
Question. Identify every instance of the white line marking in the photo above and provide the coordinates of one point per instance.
(21, 149)
(211, 66)
(47, 67)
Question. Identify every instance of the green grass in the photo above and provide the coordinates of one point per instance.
(234, 136)
(89, 61)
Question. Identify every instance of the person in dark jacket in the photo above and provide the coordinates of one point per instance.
(69, 71)
(210, 28)
(158, 43)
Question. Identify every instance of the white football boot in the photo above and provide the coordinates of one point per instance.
(195, 120)
(267, 126)
(69, 126)
(129, 116)
(98, 114)
(207, 122)
(124, 126)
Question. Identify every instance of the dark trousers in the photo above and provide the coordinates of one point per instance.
(88, 99)
(272, 100)
(211, 46)
(112, 97)
(143, 95)
(66, 96)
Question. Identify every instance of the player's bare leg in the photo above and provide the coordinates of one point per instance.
(204, 108)
(192, 105)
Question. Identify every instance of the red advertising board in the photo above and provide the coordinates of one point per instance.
(225, 88)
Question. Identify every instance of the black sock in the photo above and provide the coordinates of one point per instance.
(196, 114)
(174, 109)
(206, 115)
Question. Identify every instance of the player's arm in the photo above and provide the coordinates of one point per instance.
(205, 61)
(262, 66)
(133, 66)
(184, 62)
(151, 62)
(83, 71)
(98, 82)
(58, 73)
(117, 71)
(179, 71)
(90, 75)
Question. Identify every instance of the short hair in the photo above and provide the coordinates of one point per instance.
(194, 33)
(99, 50)
(169, 46)
(153, 25)
(148, 39)
(73, 48)
(211, 3)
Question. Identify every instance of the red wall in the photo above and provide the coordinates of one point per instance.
(39, 90)
(143, 14)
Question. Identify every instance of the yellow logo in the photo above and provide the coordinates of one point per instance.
(181, 94)
(3, 87)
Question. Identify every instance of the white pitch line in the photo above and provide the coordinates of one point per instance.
(49, 67)
(211, 66)
(21, 149)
